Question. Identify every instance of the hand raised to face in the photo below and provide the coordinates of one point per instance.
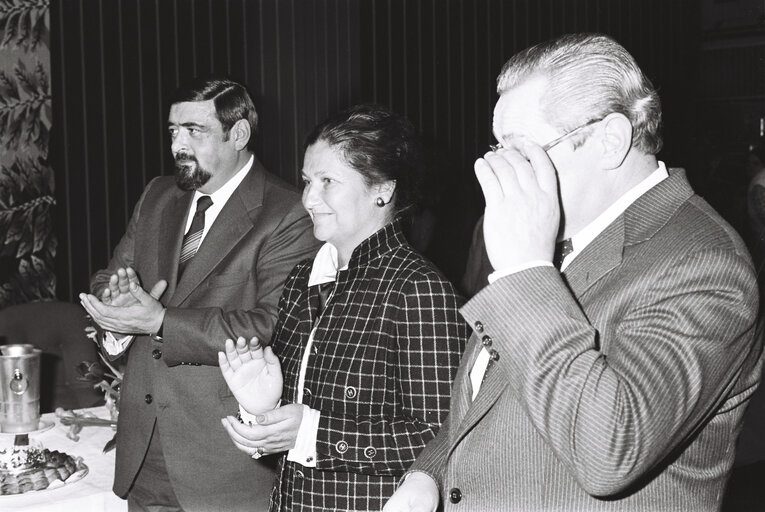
(522, 216)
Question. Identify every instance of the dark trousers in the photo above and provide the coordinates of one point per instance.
(151, 491)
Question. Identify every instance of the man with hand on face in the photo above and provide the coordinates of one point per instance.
(617, 382)
(212, 247)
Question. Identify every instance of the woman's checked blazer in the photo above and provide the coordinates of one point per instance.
(386, 349)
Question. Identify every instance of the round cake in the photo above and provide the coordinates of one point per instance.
(25, 468)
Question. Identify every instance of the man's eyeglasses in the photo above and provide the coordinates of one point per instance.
(547, 147)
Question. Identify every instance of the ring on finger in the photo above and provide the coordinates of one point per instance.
(258, 453)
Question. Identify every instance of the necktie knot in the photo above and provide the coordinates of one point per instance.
(203, 203)
(562, 249)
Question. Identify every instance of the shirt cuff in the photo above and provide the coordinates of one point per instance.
(517, 268)
(114, 346)
(246, 417)
(304, 452)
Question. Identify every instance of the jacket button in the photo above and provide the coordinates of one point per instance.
(494, 355)
(350, 392)
(306, 392)
(455, 495)
(341, 446)
(156, 353)
(299, 475)
(486, 340)
(148, 398)
(478, 327)
(370, 452)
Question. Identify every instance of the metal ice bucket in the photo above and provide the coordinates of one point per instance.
(19, 388)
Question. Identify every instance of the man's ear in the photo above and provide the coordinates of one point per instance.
(386, 190)
(240, 133)
(616, 140)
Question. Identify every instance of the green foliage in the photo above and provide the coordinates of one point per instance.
(29, 245)
(23, 23)
(25, 107)
(27, 242)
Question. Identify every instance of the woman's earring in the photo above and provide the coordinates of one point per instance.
(380, 202)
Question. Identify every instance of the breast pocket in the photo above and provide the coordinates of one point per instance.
(228, 279)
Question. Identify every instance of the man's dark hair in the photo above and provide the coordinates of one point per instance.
(231, 99)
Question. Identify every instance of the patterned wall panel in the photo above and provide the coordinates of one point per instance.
(27, 238)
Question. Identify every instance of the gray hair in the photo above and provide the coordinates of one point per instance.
(588, 77)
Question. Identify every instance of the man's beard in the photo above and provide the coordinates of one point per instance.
(188, 174)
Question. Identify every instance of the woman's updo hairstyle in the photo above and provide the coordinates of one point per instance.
(382, 146)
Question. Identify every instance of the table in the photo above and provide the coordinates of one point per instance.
(91, 493)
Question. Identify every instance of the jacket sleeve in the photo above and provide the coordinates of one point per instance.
(123, 255)
(610, 419)
(432, 460)
(289, 243)
(430, 338)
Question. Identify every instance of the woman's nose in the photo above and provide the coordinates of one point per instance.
(310, 195)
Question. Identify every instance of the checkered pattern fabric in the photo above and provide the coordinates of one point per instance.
(385, 352)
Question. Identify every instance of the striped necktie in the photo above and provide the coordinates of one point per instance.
(194, 236)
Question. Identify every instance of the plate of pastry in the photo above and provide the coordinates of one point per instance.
(28, 467)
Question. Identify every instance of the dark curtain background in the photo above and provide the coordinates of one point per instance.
(115, 62)
(437, 62)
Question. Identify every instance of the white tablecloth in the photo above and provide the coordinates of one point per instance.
(91, 493)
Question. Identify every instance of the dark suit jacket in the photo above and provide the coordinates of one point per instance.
(383, 359)
(230, 288)
(621, 384)
(478, 266)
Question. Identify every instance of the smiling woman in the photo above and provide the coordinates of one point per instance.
(345, 210)
(369, 335)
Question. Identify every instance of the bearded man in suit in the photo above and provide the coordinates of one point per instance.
(215, 245)
(618, 382)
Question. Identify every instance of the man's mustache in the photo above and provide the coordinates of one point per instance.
(185, 158)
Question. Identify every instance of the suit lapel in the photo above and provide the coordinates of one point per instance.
(639, 222)
(462, 388)
(470, 412)
(597, 259)
(171, 237)
(235, 220)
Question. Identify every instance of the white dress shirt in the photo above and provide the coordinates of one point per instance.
(324, 270)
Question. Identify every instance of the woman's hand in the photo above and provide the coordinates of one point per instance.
(252, 373)
(276, 431)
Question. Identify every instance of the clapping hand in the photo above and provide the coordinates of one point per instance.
(141, 313)
(117, 293)
(253, 374)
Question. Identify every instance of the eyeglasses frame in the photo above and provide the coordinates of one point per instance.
(547, 147)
